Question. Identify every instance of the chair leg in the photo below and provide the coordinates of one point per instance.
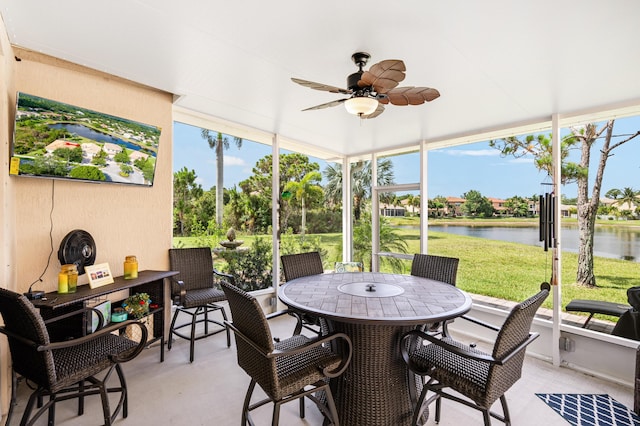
(35, 396)
(123, 402)
(418, 411)
(14, 389)
(302, 414)
(247, 401)
(224, 317)
(52, 411)
(505, 411)
(173, 323)
(335, 421)
(276, 414)
(106, 410)
(81, 398)
(486, 417)
(206, 320)
(192, 341)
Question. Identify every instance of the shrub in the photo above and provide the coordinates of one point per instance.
(250, 268)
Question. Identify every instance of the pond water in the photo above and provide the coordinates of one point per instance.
(93, 135)
(609, 241)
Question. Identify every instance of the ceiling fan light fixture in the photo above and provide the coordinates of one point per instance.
(361, 105)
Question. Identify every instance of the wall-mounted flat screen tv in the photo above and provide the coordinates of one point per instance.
(61, 141)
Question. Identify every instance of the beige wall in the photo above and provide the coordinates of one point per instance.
(7, 229)
(122, 219)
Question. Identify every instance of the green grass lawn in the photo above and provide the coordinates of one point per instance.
(504, 270)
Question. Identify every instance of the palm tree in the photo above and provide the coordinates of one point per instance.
(438, 202)
(306, 188)
(219, 144)
(415, 202)
(361, 178)
(613, 193)
(410, 203)
(630, 198)
(390, 241)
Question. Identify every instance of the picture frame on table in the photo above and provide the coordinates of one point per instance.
(99, 275)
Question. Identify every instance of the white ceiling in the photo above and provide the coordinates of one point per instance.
(496, 63)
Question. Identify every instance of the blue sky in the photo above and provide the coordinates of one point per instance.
(452, 171)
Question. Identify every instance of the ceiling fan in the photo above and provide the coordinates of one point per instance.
(371, 90)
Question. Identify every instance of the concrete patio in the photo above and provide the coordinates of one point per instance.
(210, 391)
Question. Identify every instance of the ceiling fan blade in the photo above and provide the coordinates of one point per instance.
(320, 86)
(409, 95)
(375, 113)
(384, 75)
(327, 105)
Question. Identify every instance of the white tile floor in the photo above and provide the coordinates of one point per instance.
(210, 391)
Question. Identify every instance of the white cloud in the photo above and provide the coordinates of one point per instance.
(234, 161)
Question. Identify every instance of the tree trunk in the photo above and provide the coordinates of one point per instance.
(220, 179)
(586, 225)
(588, 208)
(304, 218)
(356, 207)
(586, 220)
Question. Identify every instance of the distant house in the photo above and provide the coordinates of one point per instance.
(390, 210)
(136, 155)
(498, 205)
(89, 150)
(410, 208)
(454, 206)
(111, 148)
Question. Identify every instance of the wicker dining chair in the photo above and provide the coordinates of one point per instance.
(66, 369)
(481, 378)
(439, 268)
(286, 369)
(195, 292)
(302, 265)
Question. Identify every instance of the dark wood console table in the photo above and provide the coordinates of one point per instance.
(70, 316)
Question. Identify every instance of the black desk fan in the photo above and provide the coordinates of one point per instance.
(77, 247)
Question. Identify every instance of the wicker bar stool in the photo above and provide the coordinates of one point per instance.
(439, 268)
(67, 369)
(195, 292)
(288, 369)
(302, 265)
(482, 378)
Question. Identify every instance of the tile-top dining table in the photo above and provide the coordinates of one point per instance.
(374, 310)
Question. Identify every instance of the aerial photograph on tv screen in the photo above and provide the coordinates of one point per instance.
(57, 140)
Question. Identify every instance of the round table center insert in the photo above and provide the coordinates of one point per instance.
(371, 289)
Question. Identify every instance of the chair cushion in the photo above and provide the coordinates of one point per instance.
(194, 298)
(461, 374)
(480, 381)
(78, 362)
(298, 371)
